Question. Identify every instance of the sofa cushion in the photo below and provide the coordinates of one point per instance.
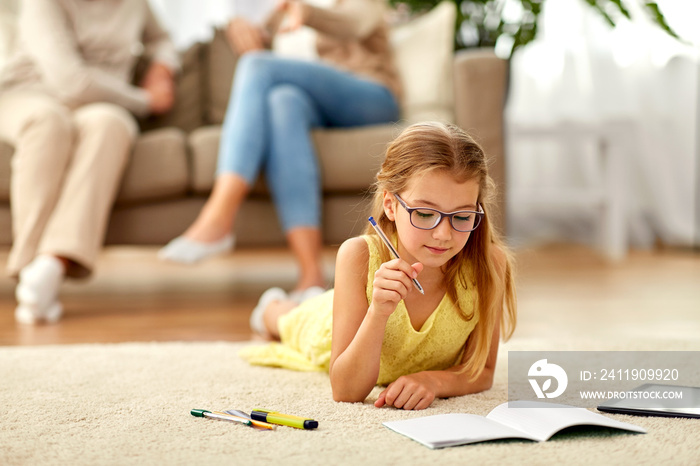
(157, 169)
(345, 216)
(204, 148)
(6, 152)
(423, 50)
(5, 225)
(349, 157)
(220, 66)
(152, 222)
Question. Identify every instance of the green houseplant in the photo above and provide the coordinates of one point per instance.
(481, 23)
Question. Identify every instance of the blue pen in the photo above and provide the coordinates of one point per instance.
(393, 251)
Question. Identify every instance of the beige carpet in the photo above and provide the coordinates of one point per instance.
(130, 403)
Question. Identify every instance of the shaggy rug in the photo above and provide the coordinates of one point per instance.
(130, 404)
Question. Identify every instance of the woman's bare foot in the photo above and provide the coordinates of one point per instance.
(186, 251)
(212, 224)
(210, 234)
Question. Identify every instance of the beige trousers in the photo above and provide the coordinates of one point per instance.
(66, 171)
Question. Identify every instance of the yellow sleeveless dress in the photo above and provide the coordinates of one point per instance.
(306, 334)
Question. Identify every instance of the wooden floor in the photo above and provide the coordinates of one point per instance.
(562, 290)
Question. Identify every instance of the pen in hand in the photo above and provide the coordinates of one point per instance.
(393, 251)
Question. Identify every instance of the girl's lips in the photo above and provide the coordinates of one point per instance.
(437, 250)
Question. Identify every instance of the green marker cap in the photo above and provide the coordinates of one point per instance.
(199, 412)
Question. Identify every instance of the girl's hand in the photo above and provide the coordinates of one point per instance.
(392, 283)
(414, 391)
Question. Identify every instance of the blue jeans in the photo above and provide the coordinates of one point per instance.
(274, 105)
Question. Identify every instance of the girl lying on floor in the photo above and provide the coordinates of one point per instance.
(433, 200)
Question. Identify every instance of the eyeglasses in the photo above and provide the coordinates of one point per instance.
(425, 218)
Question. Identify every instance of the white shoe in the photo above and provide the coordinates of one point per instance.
(268, 297)
(39, 281)
(300, 296)
(30, 315)
(189, 251)
(37, 291)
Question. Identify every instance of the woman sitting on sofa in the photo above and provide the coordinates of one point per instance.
(275, 103)
(66, 104)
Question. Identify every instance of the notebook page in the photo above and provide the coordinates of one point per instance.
(444, 430)
(543, 420)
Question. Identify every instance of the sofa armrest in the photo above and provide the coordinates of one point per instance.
(480, 85)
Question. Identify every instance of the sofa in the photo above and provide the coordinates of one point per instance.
(171, 170)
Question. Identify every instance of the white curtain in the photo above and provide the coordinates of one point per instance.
(189, 21)
(582, 71)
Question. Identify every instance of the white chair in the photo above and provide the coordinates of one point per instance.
(608, 141)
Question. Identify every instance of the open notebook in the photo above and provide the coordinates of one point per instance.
(531, 420)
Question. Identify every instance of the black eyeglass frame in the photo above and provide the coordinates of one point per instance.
(449, 215)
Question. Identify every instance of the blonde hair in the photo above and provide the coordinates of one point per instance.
(430, 146)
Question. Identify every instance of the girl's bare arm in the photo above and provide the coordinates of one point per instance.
(358, 329)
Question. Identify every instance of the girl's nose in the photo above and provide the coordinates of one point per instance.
(443, 231)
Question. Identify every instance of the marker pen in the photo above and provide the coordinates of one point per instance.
(283, 419)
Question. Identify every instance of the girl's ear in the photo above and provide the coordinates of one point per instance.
(389, 206)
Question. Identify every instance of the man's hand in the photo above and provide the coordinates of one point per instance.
(244, 37)
(160, 85)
